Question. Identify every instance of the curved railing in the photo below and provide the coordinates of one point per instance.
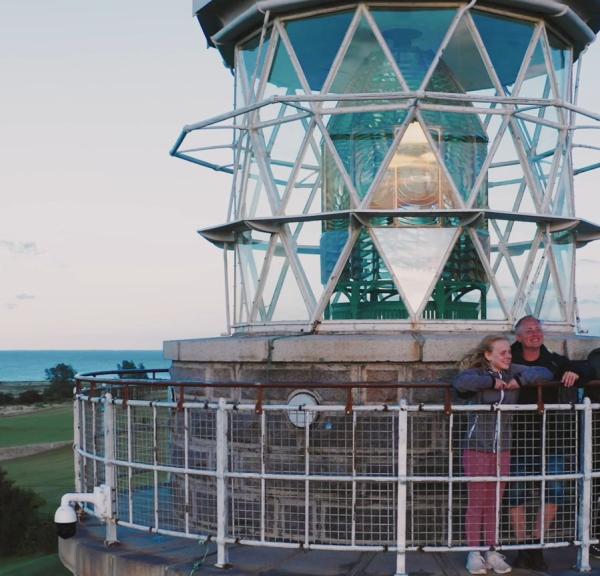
(326, 470)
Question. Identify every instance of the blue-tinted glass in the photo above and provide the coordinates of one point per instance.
(561, 61)
(282, 72)
(536, 83)
(461, 67)
(364, 53)
(413, 37)
(506, 41)
(253, 56)
(316, 41)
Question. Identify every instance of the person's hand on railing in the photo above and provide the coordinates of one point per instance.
(569, 379)
(512, 385)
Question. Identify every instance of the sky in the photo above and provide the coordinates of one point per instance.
(98, 242)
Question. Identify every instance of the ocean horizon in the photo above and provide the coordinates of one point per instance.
(30, 365)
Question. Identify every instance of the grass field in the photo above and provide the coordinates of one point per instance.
(53, 424)
(50, 474)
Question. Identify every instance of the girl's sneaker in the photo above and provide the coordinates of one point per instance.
(495, 561)
(476, 564)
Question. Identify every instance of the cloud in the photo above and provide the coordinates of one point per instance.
(19, 247)
(25, 296)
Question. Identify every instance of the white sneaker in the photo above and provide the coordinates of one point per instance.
(476, 563)
(495, 561)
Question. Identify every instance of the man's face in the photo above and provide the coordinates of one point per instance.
(531, 334)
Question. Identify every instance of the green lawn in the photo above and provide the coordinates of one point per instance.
(48, 565)
(50, 474)
(54, 424)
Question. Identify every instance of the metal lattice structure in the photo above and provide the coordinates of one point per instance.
(398, 166)
(331, 476)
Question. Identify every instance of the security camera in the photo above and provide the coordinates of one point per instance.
(65, 521)
(65, 518)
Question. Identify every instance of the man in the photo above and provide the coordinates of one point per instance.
(529, 350)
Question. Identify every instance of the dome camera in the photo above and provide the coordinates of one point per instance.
(65, 521)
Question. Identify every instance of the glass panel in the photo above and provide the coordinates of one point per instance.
(414, 256)
(365, 53)
(252, 248)
(542, 298)
(252, 55)
(506, 41)
(536, 83)
(562, 203)
(304, 197)
(365, 289)
(284, 147)
(561, 60)
(362, 141)
(413, 179)
(316, 41)
(413, 37)
(461, 68)
(462, 291)
(462, 143)
(551, 308)
(333, 238)
(282, 74)
(336, 195)
(541, 146)
(282, 297)
(563, 248)
(255, 201)
(507, 188)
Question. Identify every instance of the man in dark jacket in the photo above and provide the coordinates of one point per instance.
(529, 350)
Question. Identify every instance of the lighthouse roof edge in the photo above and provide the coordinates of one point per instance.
(226, 22)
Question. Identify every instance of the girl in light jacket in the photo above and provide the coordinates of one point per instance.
(489, 377)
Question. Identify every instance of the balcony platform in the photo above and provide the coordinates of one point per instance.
(156, 555)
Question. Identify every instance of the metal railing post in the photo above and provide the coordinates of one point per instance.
(77, 461)
(222, 552)
(109, 467)
(401, 505)
(585, 498)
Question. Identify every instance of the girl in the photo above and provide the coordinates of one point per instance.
(489, 377)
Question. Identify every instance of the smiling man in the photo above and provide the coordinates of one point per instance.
(529, 349)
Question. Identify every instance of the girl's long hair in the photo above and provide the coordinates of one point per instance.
(476, 357)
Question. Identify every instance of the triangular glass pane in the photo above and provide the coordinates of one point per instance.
(316, 42)
(542, 297)
(334, 235)
(509, 248)
(304, 196)
(506, 41)
(537, 83)
(365, 53)
(255, 200)
(281, 295)
(415, 256)
(461, 68)
(551, 307)
(462, 143)
(413, 37)
(252, 249)
(252, 55)
(563, 248)
(506, 188)
(561, 203)
(362, 141)
(283, 149)
(365, 289)
(561, 61)
(282, 76)
(463, 291)
(336, 195)
(413, 178)
(307, 238)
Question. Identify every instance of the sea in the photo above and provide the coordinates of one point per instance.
(29, 365)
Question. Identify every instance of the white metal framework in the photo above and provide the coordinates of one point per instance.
(378, 477)
(417, 172)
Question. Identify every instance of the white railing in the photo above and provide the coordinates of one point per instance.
(332, 477)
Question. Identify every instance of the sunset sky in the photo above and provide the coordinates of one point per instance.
(98, 243)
